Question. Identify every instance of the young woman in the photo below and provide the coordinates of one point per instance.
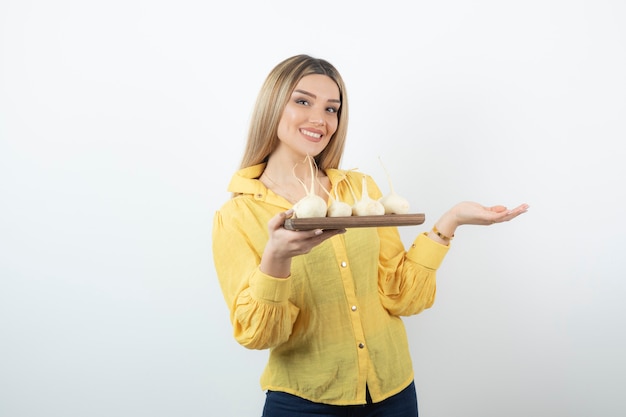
(326, 303)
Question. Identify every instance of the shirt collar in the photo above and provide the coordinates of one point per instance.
(246, 181)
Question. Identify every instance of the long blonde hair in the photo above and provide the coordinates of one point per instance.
(272, 99)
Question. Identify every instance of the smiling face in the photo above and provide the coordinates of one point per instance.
(309, 119)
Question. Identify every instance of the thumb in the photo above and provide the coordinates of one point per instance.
(278, 220)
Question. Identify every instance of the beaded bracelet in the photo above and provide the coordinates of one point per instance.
(441, 235)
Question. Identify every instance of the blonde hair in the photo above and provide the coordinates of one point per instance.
(271, 101)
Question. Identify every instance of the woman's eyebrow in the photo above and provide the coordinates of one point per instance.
(306, 93)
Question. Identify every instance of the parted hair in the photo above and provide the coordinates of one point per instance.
(271, 101)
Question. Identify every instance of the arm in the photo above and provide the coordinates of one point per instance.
(255, 277)
(260, 311)
(407, 280)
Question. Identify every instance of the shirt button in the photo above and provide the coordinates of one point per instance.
(361, 345)
(344, 264)
(353, 308)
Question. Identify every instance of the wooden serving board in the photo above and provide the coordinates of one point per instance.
(386, 220)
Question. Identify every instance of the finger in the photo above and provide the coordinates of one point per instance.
(511, 214)
(522, 208)
(319, 232)
(278, 220)
(323, 234)
(327, 234)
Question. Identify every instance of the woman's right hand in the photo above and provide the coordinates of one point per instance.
(284, 244)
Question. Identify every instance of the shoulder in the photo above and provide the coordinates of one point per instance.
(237, 206)
(237, 216)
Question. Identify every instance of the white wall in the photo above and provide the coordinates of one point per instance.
(121, 123)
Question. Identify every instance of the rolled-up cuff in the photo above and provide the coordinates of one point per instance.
(270, 289)
(427, 252)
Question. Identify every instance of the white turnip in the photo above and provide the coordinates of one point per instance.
(393, 203)
(367, 206)
(338, 208)
(311, 205)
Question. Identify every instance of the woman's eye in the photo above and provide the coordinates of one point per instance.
(332, 110)
(302, 101)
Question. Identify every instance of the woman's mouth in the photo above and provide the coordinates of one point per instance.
(316, 137)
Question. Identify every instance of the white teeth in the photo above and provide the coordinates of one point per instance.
(311, 134)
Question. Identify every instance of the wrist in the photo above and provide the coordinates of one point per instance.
(275, 266)
(442, 236)
(448, 223)
(443, 230)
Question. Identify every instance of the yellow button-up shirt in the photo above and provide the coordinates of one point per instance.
(334, 324)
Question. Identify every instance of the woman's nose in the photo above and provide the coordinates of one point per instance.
(317, 119)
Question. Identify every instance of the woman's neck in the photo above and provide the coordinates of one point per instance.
(289, 170)
(283, 176)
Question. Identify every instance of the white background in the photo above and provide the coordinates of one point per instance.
(121, 123)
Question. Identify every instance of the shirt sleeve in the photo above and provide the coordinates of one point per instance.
(406, 279)
(260, 311)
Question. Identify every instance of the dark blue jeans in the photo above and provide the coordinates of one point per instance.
(281, 404)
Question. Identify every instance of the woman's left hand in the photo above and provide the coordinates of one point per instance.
(469, 212)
